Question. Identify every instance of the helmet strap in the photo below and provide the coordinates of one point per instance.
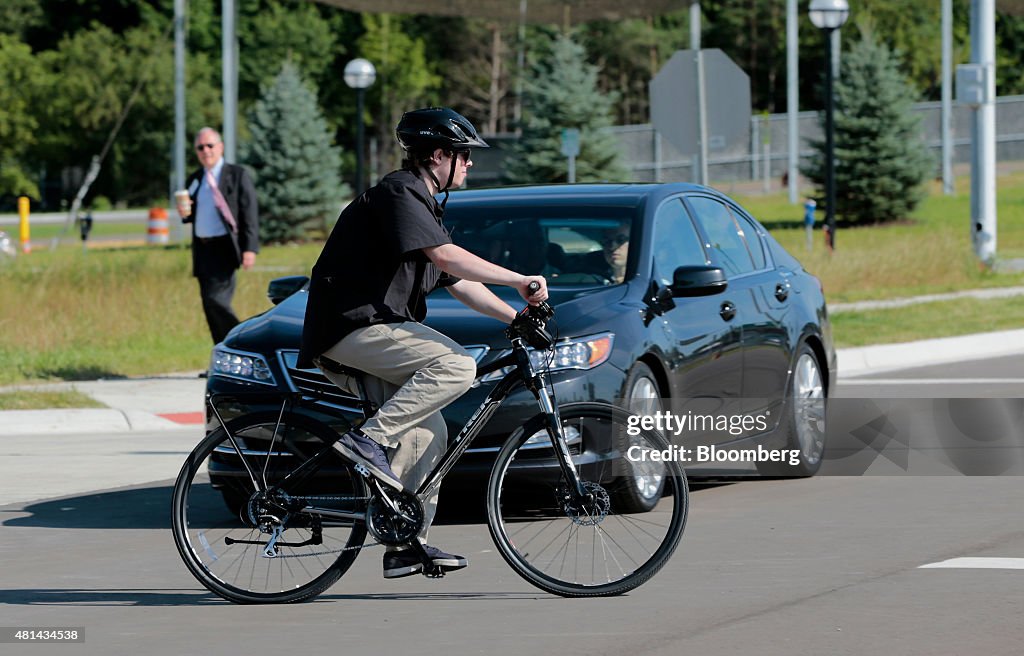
(451, 176)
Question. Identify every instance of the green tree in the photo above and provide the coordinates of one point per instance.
(17, 17)
(22, 79)
(95, 73)
(405, 78)
(295, 165)
(562, 93)
(881, 159)
(271, 31)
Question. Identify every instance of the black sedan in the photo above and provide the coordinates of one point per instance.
(754, 341)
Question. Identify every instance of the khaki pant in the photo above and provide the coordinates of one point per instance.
(414, 372)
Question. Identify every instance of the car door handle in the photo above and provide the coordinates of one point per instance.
(728, 311)
(781, 292)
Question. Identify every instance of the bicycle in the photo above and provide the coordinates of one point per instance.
(266, 511)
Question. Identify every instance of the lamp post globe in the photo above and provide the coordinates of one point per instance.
(359, 75)
(828, 16)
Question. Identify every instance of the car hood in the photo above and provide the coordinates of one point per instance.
(578, 312)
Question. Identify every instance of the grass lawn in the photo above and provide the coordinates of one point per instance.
(77, 315)
(930, 253)
(32, 400)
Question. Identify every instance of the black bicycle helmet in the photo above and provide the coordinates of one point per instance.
(437, 127)
(423, 130)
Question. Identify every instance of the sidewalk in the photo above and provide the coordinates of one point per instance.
(175, 401)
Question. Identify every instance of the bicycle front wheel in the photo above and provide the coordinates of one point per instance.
(281, 544)
(606, 545)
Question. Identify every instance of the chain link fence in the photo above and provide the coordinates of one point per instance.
(651, 158)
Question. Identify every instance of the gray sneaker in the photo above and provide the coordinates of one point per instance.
(363, 451)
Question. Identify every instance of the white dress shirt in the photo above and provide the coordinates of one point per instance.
(208, 221)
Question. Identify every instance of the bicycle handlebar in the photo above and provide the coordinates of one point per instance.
(530, 323)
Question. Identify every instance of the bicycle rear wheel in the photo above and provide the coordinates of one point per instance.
(603, 547)
(223, 526)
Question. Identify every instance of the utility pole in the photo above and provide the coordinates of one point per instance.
(983, 213)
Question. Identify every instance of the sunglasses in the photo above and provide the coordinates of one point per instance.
(614, 241)
(464, 154)
(201, 147)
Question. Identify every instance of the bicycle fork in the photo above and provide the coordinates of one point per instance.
(558, 441)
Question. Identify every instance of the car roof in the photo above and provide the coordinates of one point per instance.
(619, 194)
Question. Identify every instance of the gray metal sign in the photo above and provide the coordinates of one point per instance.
(570, 142)
(676, 94)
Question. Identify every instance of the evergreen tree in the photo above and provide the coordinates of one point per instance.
(295, 165)
(562, 93)
(881, 159)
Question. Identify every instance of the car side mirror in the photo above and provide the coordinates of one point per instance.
(689, 281)
(281, 288)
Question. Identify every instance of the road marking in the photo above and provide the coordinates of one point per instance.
(977, 563)
(932, 381)
(184, 417)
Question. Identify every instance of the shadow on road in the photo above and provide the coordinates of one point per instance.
(184, 597)
(112, 597)
(132, 508)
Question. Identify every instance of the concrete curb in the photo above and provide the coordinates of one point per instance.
(862, 361)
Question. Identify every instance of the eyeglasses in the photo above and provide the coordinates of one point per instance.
(614, 241)
(201, 147)
(465, 154)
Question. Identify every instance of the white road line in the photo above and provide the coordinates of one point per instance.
(931, 381)
(977, 563)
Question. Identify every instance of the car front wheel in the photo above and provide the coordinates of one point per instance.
(805, 421)
(641, 491)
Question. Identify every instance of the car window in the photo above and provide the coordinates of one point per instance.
(585, 247)
(749, 231)
(676, 242)
(725, 237)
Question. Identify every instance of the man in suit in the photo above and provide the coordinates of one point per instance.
(225, 229)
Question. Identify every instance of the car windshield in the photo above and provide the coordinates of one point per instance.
(569, 246)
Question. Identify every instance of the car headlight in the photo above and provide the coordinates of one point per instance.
(579, 353)
(249, 367)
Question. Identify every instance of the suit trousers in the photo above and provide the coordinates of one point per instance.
(215, 265)
(414, 372)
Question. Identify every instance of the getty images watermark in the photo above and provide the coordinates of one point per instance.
(861, 437)
(690, 422)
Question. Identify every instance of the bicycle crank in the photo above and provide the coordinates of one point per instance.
(395, 519)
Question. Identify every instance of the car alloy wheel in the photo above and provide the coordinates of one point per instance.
(642, 490)
(809, 409)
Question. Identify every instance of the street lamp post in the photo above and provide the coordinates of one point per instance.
(359, 75)
(828, 16)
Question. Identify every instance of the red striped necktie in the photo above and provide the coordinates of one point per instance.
(218, 200)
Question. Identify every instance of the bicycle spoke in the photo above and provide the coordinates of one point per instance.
(605, 542)
(223, 527)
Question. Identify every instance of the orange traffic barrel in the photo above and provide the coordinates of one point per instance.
(158, 231)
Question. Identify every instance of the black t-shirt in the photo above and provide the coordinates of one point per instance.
(372, 269)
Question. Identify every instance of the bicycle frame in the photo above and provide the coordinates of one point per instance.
(538, 383)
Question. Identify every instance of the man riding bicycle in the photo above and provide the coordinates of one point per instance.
(367, 300)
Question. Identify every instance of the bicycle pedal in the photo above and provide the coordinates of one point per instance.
(361, 470)
(433, 572)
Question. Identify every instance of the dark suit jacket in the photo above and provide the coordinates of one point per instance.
(240, 194)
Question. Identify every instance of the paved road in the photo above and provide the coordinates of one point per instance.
(47, 218)
(990, 378)
(830, 565)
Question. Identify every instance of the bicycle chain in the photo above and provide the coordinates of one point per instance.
(334, 551)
